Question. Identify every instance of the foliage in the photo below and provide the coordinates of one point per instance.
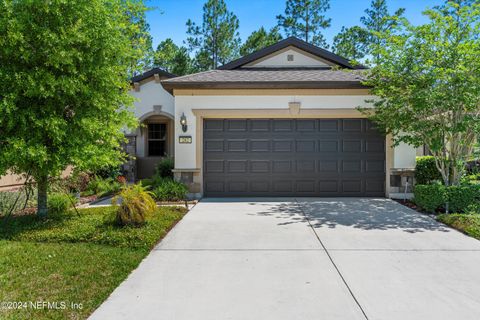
(92, 225)
(467, 223)
(426, 170)
(305, 19)
(11, 201)
(164, 168)
(463, 197)
(73, 258)
(136, 205)
(430, 197)
(216, 41)
(67, 64)
(173, 59)
(260, 39)
(427, 84)
(59, 203)
(170, 190)
(357, 42)
(102, 187)
(351, 43)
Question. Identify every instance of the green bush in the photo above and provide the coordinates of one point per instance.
(170, 190)
(430, 197)
(11, 201)
(165, 167)
(461, 198)
(426, 171)
(136, 205)
(102, 187)
(59, 202)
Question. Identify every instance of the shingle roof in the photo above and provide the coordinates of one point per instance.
(150, 73)
(295, 42)
(271, 78)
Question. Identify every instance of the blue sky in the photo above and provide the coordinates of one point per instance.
(168, 18)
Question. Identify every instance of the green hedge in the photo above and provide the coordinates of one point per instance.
(426, 171)
(430, 197)
(433, 197)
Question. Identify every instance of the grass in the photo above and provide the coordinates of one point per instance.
(466, 223)
(70, 258)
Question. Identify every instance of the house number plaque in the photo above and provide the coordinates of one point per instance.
(185, 139)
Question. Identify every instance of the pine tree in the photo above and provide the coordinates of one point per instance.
(357, 42)
(172, 58)
(216, 41)
(305, 19)
(260, 39)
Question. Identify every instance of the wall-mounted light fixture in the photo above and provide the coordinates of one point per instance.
(183, 122)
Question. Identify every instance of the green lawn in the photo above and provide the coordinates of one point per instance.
(72, 259)
(467, 223)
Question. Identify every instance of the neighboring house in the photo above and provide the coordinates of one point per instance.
(278, 122)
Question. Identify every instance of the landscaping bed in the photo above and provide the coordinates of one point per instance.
(466, 223)
(72, 258)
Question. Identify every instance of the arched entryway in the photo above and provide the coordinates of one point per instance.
(154, 141)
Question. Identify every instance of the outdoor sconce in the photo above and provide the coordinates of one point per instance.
(183, 122)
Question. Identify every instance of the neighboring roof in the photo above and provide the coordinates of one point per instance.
(150, 73)
(295, 42)
(272, 78)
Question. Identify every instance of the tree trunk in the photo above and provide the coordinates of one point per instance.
(42, 186)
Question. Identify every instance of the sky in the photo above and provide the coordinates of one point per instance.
(168, 18)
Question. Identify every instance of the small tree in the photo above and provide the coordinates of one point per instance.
(65, 69)
(427, 80)
(217, 40)
(305, 19)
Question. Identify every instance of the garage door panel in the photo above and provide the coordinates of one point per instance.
(305, 145)
(259, 145)
(304, 157)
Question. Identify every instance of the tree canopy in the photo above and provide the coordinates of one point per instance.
(305, 19)
(172, 58)
(216, 41)
(427, 82)
(356, 43)
(65, 68)
(260, 39)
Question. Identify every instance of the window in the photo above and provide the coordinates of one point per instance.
(157, 139)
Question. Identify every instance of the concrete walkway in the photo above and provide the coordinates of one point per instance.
(303, 259)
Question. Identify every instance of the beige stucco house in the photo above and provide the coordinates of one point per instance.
(282, 121)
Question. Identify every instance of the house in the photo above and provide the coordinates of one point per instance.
(282, 121)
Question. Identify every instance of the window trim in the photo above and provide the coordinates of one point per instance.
(165, 139)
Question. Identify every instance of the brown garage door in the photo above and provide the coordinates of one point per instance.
(293, 157)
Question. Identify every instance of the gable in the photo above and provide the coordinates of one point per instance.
(305, 55)
(290, 57)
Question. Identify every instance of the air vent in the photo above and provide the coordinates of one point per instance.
(290, 57)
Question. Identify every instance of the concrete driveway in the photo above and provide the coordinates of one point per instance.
(306, 258)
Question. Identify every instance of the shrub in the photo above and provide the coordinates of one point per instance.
(165, 167)
(136, 205)
(59, 202)
(426, 171)
(103, 187)
(170, 190)
(11, 201)
(460, 198)
(430, 197)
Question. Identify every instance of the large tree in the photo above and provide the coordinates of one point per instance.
(427, 80)
(216, 41)
(260, 39)
(305, 19)
(357, 42)
(65, 69)
(172, 58)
